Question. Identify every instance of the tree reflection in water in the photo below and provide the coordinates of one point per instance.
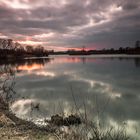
(8, 70)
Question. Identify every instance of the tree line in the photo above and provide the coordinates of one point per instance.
(10, 48)
(122, 50)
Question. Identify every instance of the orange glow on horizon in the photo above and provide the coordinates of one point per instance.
(29, 41)
(71, 48)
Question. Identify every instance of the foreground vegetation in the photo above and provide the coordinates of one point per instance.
(14, 128)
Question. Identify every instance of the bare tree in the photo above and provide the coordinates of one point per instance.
(6, 44)
(7, 76)
(29, 49)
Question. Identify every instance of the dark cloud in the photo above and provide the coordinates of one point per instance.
(131, 5)
(73, 23)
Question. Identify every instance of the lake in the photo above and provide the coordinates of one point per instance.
(104, 87)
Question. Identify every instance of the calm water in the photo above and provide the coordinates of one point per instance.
(107, 86)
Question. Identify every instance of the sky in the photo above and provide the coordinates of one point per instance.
(66, 24)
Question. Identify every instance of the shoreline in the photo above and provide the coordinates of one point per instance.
(14, 128)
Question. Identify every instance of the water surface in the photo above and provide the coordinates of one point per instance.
(107, 87)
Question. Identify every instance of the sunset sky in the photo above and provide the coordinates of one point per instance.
(63, 24)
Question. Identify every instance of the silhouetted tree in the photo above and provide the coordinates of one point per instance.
(11, 49)
(29, 49)
(39, 49)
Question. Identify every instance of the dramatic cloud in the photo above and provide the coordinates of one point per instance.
(69, 23)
